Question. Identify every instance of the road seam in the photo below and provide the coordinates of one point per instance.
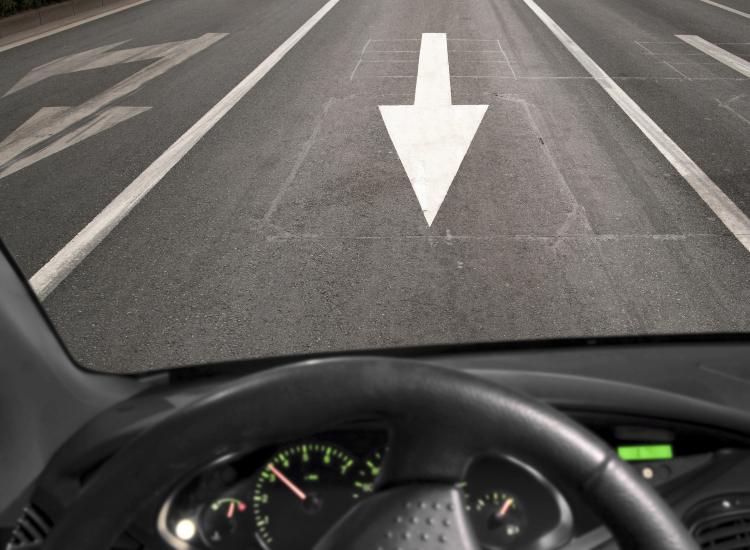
(730, 215)
(73, 253)
(306, 148)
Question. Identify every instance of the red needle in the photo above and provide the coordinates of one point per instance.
(506, 506)
(230, 512)
(286, 481)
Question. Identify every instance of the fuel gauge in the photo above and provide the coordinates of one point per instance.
(499, 520)
(225, 523)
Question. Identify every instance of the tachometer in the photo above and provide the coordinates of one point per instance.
(302, 491)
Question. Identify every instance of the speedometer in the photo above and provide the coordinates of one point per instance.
(300, 493)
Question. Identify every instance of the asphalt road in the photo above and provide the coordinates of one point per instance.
(292, 226)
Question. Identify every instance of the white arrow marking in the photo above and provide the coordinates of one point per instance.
(91, 117)
(62, 65)
(103, 120)
(432, 136)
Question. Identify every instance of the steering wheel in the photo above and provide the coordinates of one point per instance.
(440, 419)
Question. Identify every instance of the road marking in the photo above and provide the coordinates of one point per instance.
(50, 122)
(432, 136)
(433, 74)
(68, 26)
(732, 61)
(730, 215)
(103, 120)
(727, 8)
(65, 261)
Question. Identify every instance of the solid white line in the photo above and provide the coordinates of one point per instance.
(728, 212)
(727, 8)
(65, 261)
(732, 61)
(68, 26)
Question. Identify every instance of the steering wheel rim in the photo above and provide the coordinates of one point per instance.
(433, 411)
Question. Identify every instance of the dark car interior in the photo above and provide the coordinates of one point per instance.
(614, 443)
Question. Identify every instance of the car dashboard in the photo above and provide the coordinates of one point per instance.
(693, 449)
(286, 496)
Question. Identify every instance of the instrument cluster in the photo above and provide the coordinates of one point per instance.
(287, 497)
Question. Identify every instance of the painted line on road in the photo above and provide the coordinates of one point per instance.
(50, 122)
(732, 61)
(68, 26)
(67, 259)
(730, 215)
(727, 8)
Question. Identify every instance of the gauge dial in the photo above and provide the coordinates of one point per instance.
(225, 523)
(302, 491)
(498, 519)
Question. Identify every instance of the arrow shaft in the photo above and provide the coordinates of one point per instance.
(433, 74)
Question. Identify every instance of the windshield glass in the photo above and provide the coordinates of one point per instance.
(185, 182)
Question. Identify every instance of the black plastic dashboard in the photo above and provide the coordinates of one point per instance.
(706, 481)
(238, 502)
(284, 496)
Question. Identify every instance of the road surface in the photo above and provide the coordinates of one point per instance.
(275, 177)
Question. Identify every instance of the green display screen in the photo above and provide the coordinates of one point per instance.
(645, 452)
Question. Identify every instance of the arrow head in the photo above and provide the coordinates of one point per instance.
(431, 142)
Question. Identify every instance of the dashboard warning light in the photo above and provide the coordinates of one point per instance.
(185, 529)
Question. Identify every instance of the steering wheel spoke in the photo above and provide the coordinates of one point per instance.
(419, 517)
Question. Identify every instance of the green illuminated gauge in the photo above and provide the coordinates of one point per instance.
(226, 523)
(499, 520)
(300, 493)
(368, 471)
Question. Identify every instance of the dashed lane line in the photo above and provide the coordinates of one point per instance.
(732, 61)
(726, 8)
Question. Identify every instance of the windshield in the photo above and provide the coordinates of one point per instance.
(185, 182)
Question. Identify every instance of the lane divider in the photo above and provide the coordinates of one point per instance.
(730, 215)
(732, 61)
(72, 254)
(726, 8)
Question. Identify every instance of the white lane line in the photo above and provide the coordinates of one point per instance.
(732, 61)
(727, 8)
(68, 26)
(731, 216)
(65, 261)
